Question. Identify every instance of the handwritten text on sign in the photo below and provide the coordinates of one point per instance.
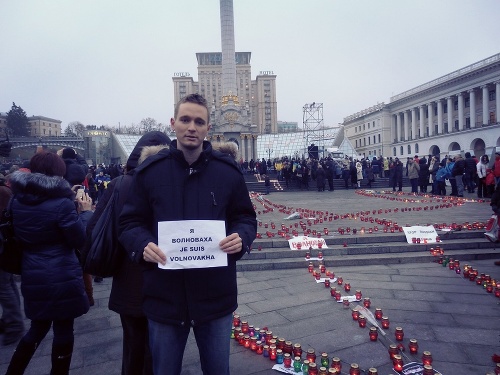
(305, 242)
(192, 243)
(425, 234)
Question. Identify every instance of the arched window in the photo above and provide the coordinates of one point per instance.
(394, 151)
(416, 148)
(401, 150)
(409, 149)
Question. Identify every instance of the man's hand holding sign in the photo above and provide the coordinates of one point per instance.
(192, 244)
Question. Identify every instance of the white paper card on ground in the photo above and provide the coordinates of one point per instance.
(192, 243)
(427, 234)
(306, 243)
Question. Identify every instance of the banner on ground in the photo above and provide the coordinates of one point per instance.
(306, 242)
(420, 234)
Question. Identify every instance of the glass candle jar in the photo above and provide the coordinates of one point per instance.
(366, 302)
(265, 350)
(378, 313)
(413, 346)
(372, 371)
(427, 358)
(347, 287)
(287, 360)
(385, 322)
(358, 295)
(311, 355)
(345, 302)
(399, 334)
(428, 370)
(237, 331)
(397, 363)
(236, 320)
(272, 352)
(244, 326)
(340, 280)
(305, 367)
(362, 321)
(313, 369)
(246, 342)
(354, 370)
(253, 344)
(310, 267)
(281, 343)
(269, 336)
(288, 348)
(393, 350)
(332, 291)
(297, 365)
(324, 359)
(332, 371)
(338, 296)
(373, 334)
(327, 283)
(260, 347)
(297, 350)
(355, 314)
(322, 371)
(279, 356)
(336, 364)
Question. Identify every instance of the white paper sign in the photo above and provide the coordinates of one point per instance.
(425, 234)
(306, 242)
(192, 243)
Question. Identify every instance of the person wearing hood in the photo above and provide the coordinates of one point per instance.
(126, 290)
(49, 228)
(76, 168)
(188, 181)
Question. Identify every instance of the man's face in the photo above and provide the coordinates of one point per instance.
(191, 126)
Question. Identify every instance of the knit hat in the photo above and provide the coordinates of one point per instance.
(68, 153)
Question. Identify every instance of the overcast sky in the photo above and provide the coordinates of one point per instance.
(106, 62)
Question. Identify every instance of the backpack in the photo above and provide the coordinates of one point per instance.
(105, 253)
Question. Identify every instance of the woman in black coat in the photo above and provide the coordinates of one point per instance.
(423, 175)
(49, 229)
(126, 291)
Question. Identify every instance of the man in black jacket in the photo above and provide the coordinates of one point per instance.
(188, 181)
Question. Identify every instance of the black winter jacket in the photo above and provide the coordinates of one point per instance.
(166, 188)
(49, 229)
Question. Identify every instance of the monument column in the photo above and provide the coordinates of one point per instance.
(440, 115)
(460, 111)
(413, 124)
(472, 106)
(449, 107)
(422, 125)
(486, 119)
(497, 96)
(400, 131)
(430, 120)
(228, 48)
(405, 125)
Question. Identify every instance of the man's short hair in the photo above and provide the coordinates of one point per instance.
(192, 98)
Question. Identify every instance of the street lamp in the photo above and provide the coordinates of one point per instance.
(269, 152)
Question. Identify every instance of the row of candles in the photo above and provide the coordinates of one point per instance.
(278, 350)
(489, 284)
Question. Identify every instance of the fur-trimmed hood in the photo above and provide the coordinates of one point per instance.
(150, 151)
(33, 188)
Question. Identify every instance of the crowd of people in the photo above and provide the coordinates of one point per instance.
(451, 175)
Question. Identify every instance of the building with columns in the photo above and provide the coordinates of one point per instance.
(457, 112)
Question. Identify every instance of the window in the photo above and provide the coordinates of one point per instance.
(374, 140)
(373, 124)
(467, 123)
(435, 111)
(427, 131)
(364, 127)
(445, 128)
(364, 141)
(467, 102)
(416, 148)
(401, 150)
(436, 129)
(455, 105)
(409, 150)
(379, 138)
(394, 151)
(427, 113)
(356, 143)
(456, 125)
(492, 95)
(369, 141)
(368, 125)
(445, 108)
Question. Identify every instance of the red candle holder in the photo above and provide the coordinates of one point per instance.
(253, 344)
(373, 334)
(244, 326)
(320, 255)
(362, 321)
(236, 320)
(338, 296)
(260, 348)
(397, 363)
(297, 350)
(310, 267)
(385, 322)
(327, 283)
(354, 370)
(355, 314)
(358, 295)
(393, 350)
(246, 341)
(378, 313)
(272, 352)
(428, 370)
(427, 358)
(340, 280)
(287, 360)
(413, 346)
(332, 291)
(322, 268)
(336, 364)
(345, 302)
(311, 355)
(347, 287)
(366, 302)
(399, 334)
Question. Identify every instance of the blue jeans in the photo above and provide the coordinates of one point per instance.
(168, 342)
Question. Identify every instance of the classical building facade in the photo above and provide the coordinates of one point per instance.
(458, 112)
(40, 126)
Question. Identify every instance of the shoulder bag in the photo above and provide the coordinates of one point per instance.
(105, 253)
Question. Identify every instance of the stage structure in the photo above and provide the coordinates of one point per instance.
(314, 130)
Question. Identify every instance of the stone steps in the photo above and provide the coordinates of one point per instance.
(367, 250)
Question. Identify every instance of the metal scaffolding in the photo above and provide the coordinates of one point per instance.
(314, 130)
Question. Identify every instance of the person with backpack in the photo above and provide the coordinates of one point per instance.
(126, 290)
